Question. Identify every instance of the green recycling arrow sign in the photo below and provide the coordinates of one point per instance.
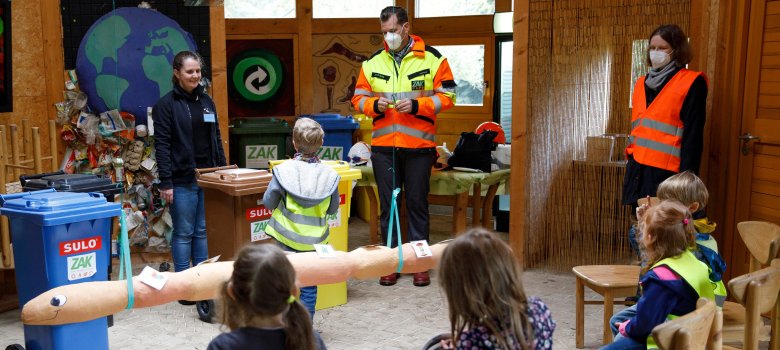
(258, 75)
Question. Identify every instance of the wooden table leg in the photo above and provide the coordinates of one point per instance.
(476, 205)
(373, 220)
(459, 213)
(579, 324)
(608, 309)
(487, 205)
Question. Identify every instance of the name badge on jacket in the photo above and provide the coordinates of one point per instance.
(209, 117)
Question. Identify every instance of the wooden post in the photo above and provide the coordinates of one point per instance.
(15, 150)
(26, 146)
(5, 233)
(36, 150)
(53, 139)
(518, 177)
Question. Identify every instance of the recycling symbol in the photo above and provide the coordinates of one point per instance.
(257, 75)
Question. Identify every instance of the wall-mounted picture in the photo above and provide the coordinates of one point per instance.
(6, 97)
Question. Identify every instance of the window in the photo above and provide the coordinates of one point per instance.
(259, 8)
(437, 8)
(468, 67)
(638, 64)
(349, 8)
(505, 87)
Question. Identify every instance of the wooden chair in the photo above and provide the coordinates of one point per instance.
(698, 330)
(609, 281)
(757, 292)
(762, 240)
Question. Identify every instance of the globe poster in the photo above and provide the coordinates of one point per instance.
(124, 60)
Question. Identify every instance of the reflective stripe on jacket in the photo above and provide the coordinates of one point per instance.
(297, 227)
(656, 130)
(694, 273)
(424, 76)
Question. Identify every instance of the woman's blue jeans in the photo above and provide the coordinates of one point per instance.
(189, 227)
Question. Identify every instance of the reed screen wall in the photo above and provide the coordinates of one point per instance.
(580, 63)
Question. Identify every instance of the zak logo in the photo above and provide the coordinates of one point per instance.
(334, 220)
(330, 153)
(80, 245)
(418, 85)
(257, 156)
(81, 266)
(257, 230)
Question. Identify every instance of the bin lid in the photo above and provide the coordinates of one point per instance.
(334, 121)
(259, 126)
(236, 182)
(54, 208)
(341, 167)
(74, 183)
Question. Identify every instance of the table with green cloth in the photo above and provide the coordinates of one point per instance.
(448, 187)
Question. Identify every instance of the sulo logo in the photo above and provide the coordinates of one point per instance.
(81, 245)
(260, 212)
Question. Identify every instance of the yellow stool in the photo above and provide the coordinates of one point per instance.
(609, 281)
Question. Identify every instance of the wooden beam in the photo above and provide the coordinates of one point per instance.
(345, 25)
(454, 25)
(517, 178)
(503, 5)
(54, 63)
(219, 70)
(305, 71)
(699, 34)
(260, 25)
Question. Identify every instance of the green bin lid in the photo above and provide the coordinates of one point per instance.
(259, 126)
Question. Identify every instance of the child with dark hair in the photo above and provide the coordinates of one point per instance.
(259, 305)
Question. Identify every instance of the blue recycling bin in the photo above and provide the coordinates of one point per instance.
(60, 238)
(338, 135)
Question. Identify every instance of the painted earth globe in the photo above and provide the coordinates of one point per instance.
(124, 60)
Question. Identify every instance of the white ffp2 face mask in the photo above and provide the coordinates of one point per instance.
(393, 41)
(659, 58)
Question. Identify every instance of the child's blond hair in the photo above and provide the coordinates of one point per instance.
(685, 188)
(307, 136)
(668, 227)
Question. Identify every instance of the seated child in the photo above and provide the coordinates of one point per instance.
(688, 189)
(301, 193)
(674, 278)
(488, 307)
(259, 305)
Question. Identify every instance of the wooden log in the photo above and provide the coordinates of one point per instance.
(36, 150)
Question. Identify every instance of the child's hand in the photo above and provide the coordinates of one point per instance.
(642, 209)
(446, 344)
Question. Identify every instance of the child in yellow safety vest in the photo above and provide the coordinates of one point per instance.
(674, 278)
(301, 193)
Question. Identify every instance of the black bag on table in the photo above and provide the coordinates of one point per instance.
(473, 150)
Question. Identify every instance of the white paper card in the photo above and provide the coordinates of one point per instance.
(422, 249)
(325, 250)
(152, 278)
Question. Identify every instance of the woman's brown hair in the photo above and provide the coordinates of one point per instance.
(669, 229)
(261, 285)
(674, 35)
(178, 62)
(482, 282)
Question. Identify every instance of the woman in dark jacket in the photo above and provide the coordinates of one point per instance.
(186, 137)
(668, 115)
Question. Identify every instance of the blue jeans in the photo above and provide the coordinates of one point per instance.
(620, 317)
(624, 343)
(308, 295)
(189, 227)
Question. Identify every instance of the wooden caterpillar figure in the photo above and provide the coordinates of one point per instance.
(87, 301)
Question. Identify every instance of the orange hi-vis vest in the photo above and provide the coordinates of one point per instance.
(423, 76)
(656, 130)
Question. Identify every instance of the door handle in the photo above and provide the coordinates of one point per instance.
(745, 140)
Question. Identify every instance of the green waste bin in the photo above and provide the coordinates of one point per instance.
(255, 141)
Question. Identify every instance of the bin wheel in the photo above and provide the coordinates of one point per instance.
(14, 347)
(205, 310)
(165, 266)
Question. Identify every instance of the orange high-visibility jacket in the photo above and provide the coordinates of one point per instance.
(656, 130)
(423, 76)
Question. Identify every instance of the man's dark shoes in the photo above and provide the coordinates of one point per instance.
(421, 279)
(389, 280)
